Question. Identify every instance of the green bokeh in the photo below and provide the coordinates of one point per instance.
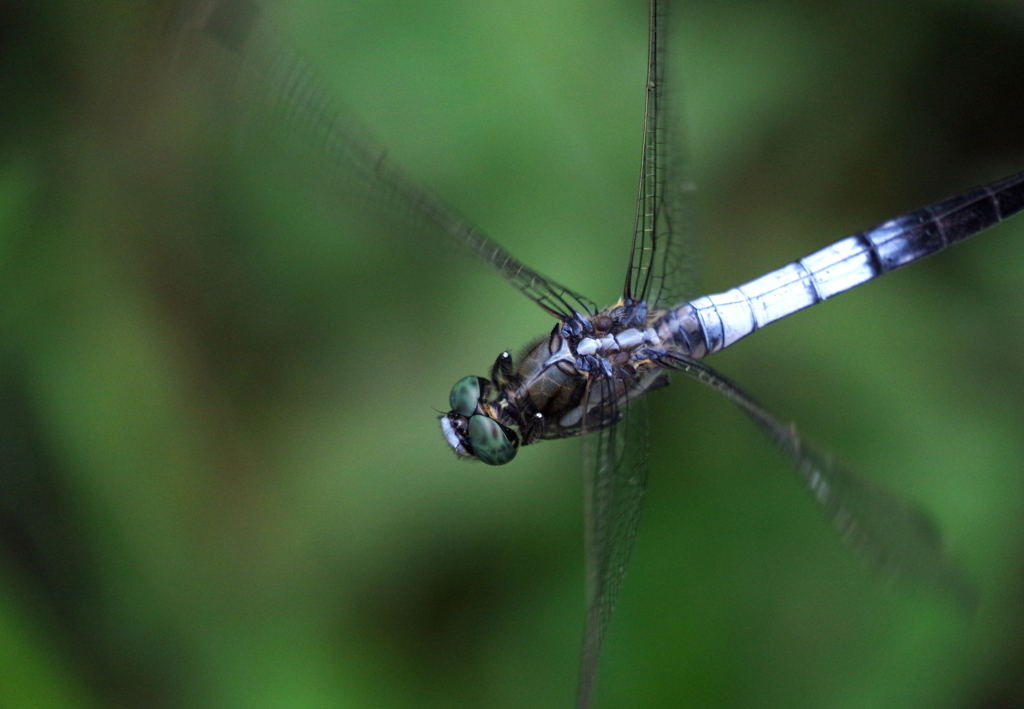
(221, 479)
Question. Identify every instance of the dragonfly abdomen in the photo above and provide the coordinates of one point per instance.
(713, 322)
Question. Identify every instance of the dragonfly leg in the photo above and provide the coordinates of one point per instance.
(533, 430)
(501, 371)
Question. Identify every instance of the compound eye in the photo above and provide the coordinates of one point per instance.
(492, 443)
(465, 396)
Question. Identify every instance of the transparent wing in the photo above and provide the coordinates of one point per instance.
(264, 74)
(662, 259)
(615, 459)
(897, 538)
(615, 480)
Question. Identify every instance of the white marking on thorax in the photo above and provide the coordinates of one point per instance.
(630, 339)
(563, 355)
(626, 340)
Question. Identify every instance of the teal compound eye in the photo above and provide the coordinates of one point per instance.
(466, 395)
(492, 443)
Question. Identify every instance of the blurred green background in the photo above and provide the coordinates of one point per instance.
(221, 479)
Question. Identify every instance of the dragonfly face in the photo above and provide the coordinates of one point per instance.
(470, 431)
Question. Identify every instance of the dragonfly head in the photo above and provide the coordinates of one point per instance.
(470, 431)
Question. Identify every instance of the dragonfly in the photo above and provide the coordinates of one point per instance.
(589, 377)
